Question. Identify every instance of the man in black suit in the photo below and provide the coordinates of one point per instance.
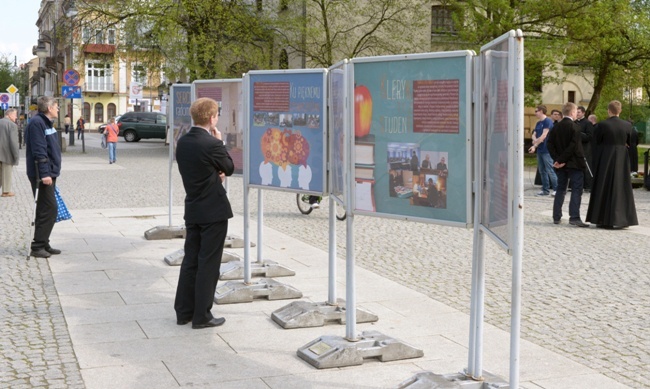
(203, 163)
(565, 146)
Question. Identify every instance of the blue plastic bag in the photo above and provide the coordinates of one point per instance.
(62, 211)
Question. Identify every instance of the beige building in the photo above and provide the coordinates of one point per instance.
(67, 44)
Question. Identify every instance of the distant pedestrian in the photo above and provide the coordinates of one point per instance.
(544, 160)
(66, 123)
(9, 147)
(565, 146)
(43, 153)
(593, 119)
(632, 150)
(111, 131)
(611, 204)
(556, 116)
(81, 126)
(203, 163)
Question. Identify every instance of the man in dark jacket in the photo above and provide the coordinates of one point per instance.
(565, 146)
(203, 163)
(43, 152)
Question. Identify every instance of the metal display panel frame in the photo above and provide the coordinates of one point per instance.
(171, 132)
(465, 97)
(239, 114)
(514, 113)
(248, 94)
(339, 116)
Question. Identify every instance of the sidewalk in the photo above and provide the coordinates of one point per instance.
(117, 293)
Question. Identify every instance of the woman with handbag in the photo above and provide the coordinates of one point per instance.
(111, 131)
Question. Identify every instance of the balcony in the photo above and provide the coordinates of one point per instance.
(99, 87)
(99, 48)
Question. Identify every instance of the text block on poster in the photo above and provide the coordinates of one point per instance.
(436, 106)
(214, 93)
(271, 96)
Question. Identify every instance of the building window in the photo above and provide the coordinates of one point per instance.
(572, 96)
(111, 111)
(85, 35)
(99, 37)
(139, 74)
(442, 21)
(99, 113)
(86, 112)
(111, 37)
(99, 76)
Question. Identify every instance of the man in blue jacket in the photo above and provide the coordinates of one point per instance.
(43, 154)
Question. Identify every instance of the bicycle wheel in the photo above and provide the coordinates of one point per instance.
(303, 203)
(340, 212)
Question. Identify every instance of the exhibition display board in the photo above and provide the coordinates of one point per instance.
(287, 121)
(338, 138)
(228, 94)
(412, 126)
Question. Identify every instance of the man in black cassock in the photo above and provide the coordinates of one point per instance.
(611, 204)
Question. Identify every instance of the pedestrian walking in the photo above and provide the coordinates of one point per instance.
(81, 126)
(111, 131)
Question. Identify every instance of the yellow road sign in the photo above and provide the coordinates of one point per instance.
(12, 89)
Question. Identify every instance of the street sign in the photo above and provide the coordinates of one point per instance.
(5, 98)
(12, 89)
(4, 106)
(71, 77)
(71, 92)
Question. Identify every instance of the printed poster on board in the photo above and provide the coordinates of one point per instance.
(228, 94)
(287, 138)
(181, 100)
(411, 145)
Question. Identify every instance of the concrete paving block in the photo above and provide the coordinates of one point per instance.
(105, 332)
(111, 314)
(92, 300)
(137, 375)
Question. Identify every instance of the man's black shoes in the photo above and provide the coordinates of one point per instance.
(214, 322)
(40, 253)
(182, 322)
(578, 223)
(53, 251)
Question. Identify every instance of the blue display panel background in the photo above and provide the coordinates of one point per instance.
(287, 137)
(396, 187)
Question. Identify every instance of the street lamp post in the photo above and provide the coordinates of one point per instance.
(70, 13)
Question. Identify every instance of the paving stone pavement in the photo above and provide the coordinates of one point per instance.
(585, 291)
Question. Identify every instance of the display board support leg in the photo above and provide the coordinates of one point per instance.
(303, 314)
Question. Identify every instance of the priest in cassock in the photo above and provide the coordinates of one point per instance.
(611, 204)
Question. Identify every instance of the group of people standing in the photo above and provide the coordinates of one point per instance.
(574, 153)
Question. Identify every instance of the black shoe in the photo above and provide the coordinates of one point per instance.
(182, 322)
(53, 250)
(214, 322)
(556, 221)
(578, 223)
(40, 253)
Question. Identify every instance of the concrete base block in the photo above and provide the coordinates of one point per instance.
(269, 269)
(165, 232)
(176, 258)
(238, 292)
(235, 242)
(334, 351)
(429, 380)
(302, 314)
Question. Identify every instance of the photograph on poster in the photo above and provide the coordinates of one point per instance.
(286, 137)
(420, 182)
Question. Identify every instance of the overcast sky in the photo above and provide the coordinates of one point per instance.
(18, 32)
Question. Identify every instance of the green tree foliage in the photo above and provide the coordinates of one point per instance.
(327, 31)
(601, 37)
(207, 38)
